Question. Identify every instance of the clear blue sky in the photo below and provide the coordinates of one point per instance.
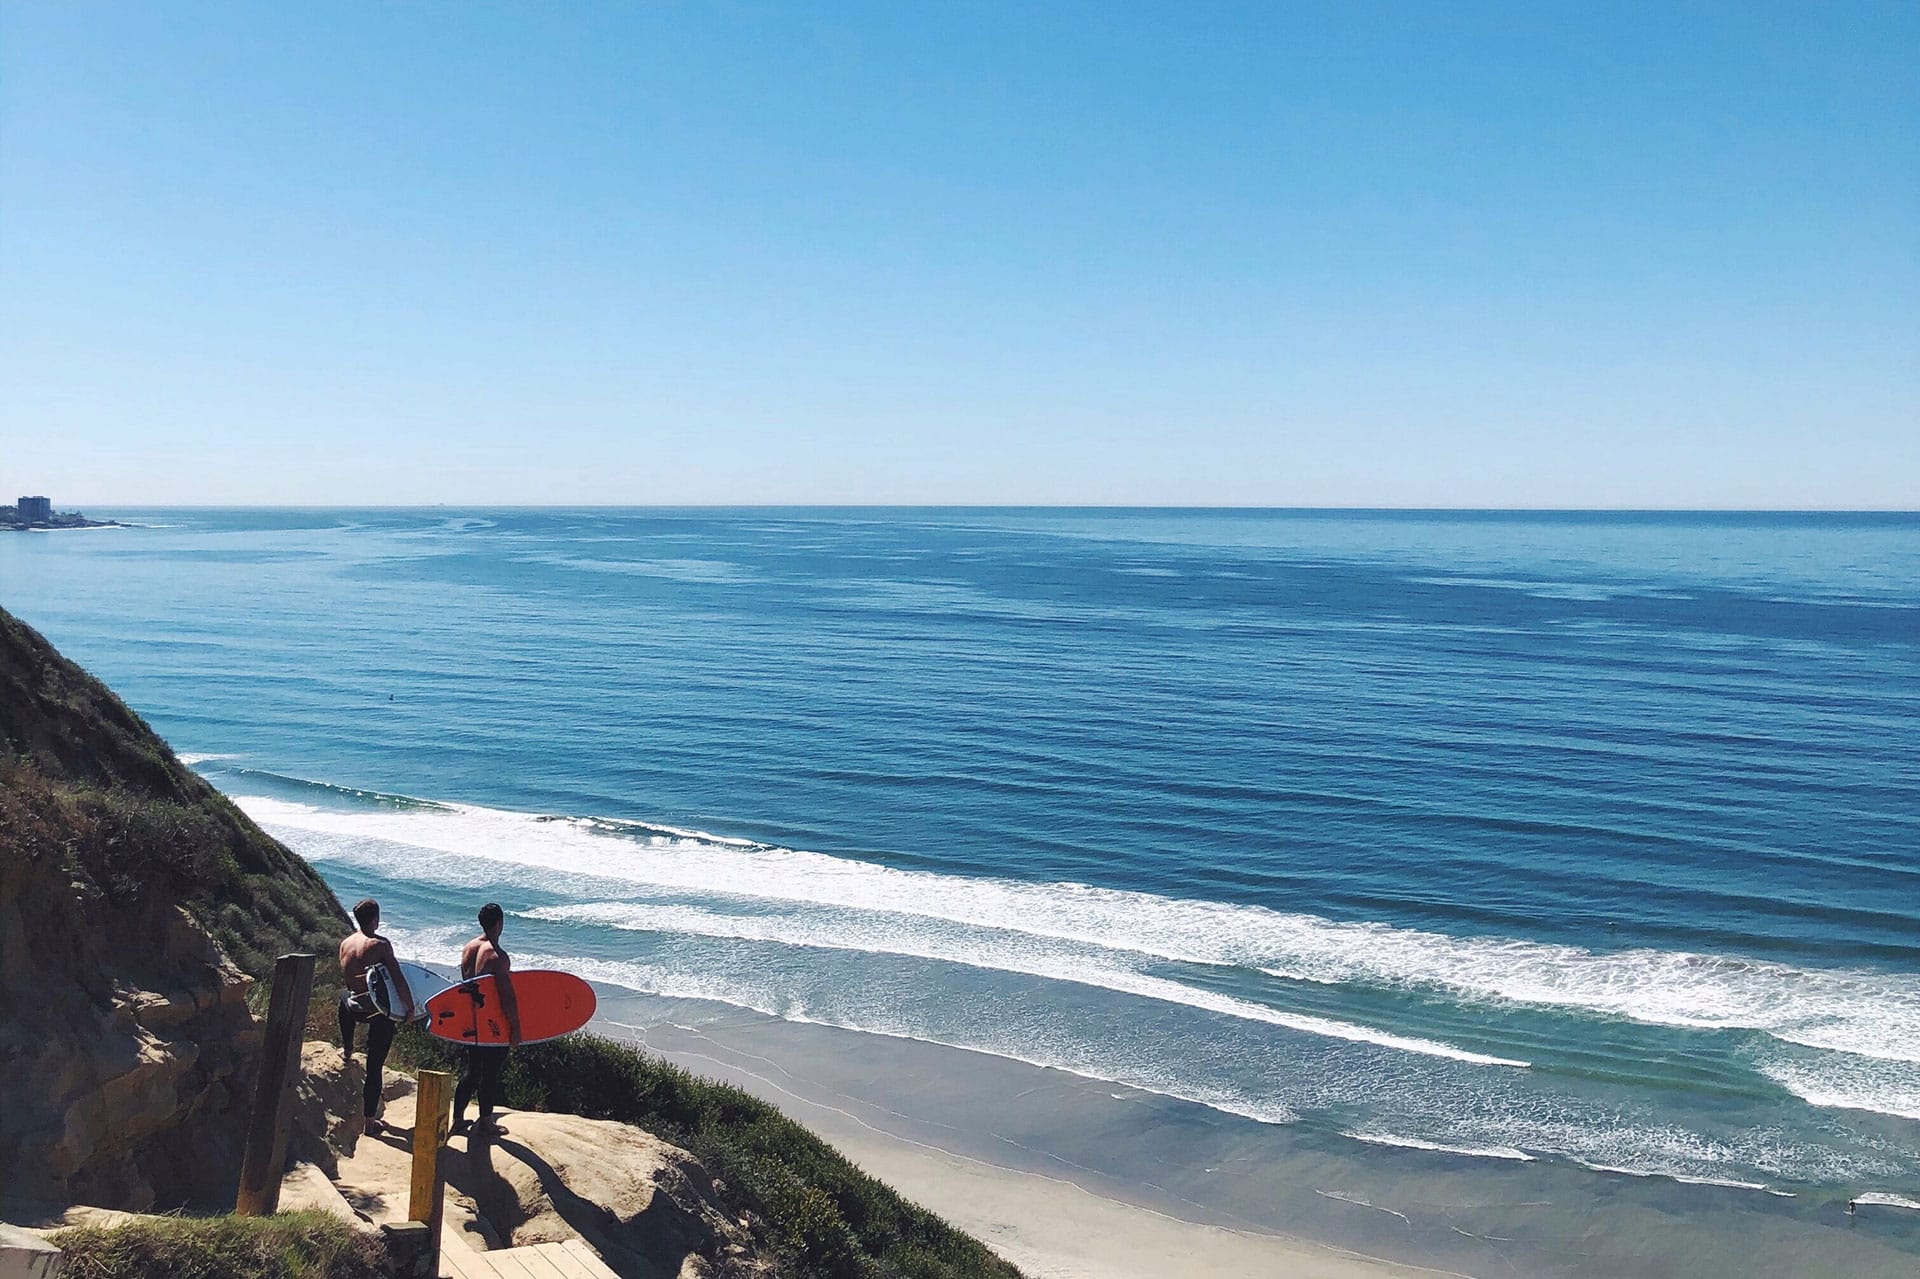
(1275, 254)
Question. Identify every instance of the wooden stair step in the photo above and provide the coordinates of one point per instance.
(572, 1259)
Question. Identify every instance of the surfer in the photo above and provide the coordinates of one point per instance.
(481, 1067)
(360, 951)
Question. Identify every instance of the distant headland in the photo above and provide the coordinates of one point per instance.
(38, 513)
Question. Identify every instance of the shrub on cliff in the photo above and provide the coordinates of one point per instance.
(88, 792)
(828, 1218)
(294, 1245)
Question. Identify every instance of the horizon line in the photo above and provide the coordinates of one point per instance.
(1330, 508)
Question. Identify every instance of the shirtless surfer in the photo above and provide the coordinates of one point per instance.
(359, 952)
(480, 1071)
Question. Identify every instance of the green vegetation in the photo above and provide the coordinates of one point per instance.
(90, 795)
(826, 1218)
(293, 1245)
(130, 851)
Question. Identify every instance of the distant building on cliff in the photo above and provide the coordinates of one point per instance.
(35, 510)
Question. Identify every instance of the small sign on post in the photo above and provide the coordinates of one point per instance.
(266, 1151)
(432, 1120)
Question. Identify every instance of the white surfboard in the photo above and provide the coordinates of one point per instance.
(422, 982)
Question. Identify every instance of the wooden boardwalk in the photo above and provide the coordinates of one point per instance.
(570, 1260)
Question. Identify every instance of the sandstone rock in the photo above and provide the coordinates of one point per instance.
(646, 1206)
(101, 1218)
(306, 1188)
(100, 1091)
(326, 1105)
(24, 1255)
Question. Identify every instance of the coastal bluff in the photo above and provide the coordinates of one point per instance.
(137, 908)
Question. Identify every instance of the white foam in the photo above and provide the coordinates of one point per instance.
(662, 861)
(866, 933)
(648, 830)
(650, 979)
(1416, 1143)
(1849, 1083)
(1502, 1123)
(430, 945)
(193, 758)
(1886, 1199)
(1688, 1178)
(1597, 1139)
(1864, 1014)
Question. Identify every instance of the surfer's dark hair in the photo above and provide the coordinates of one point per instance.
(491, 916)
(366, 913)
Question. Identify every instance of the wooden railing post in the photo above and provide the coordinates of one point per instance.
(432, 1119)
(266, 1150)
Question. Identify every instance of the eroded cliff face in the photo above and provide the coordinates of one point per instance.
(126, 1054)
(126, 1047)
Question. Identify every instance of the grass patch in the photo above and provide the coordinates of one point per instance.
(293, 1245)
(90, 796)
(826, 1218)
(132, 854)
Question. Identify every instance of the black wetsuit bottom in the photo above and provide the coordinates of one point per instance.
(355, 1009)
(479, 1074)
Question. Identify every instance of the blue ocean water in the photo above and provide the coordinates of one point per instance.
(1585, 837)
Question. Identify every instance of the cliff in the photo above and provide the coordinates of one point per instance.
(137, 906)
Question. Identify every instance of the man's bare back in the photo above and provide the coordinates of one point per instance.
(359, 953)
(481, 956)
(484, 957)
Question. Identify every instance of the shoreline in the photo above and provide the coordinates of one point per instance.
(1071, 1178)
(1055, 1228)
(1052, 1227)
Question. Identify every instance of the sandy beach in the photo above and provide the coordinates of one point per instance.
(1054, 1229)
(1072, 1178)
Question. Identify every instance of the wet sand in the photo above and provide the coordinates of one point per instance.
(1080, 1179)
(1053, 1229)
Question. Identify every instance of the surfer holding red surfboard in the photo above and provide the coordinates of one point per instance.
(484, 957)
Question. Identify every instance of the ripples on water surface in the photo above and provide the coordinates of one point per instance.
(1582, 837)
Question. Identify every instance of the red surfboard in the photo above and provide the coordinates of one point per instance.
(552, 1004)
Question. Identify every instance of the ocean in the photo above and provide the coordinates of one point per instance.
(1582, 839)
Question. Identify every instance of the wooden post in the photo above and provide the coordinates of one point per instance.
(266, 1152)
(432, 1118)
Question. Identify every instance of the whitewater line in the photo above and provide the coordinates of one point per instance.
(1868, 1014)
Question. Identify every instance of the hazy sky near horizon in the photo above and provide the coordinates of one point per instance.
(1349, 253)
